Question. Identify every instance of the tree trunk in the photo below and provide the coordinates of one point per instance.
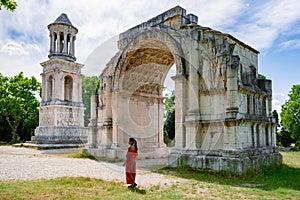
(14, 135)
(14, 128)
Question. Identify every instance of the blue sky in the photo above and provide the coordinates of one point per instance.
(270, 26)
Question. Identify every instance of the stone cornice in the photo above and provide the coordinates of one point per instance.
(58, 64)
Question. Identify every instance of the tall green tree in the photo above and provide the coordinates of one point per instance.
(8, 4)
(18, 103)
(169, 123)
(284, 138)
(290, 114)
(90, 86)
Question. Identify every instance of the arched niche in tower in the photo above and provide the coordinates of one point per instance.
(68, 88)
(49, 88)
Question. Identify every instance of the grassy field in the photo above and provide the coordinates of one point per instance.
(282, 183)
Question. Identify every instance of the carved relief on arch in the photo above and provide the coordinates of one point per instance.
(152, 43)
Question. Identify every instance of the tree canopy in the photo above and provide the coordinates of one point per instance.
(18, 104)
(290, 114)
(90, 86)
(169, 124)
(8, 4)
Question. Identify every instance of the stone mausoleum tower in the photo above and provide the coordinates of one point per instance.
(61, 111)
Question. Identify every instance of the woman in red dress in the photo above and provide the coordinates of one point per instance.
(130, 163)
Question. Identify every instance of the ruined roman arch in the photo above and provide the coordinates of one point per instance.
(223, 111)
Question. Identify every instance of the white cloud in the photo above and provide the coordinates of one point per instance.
(280, 94)
(267, 21)
(276, 105)
(278, 14)
(290, 44)
(115, 18)
(278, 100)
(14, 48)
(217, 13)
(258, 37)
(98, 21)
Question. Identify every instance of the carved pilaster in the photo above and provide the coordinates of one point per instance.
(232, 88)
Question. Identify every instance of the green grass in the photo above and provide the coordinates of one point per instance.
(81, 154)
(281, 183)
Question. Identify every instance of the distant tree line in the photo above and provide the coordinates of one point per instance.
(169, 116)
(290, 120)
(90, 86)
(19, 102)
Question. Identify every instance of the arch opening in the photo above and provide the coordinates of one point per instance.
(141, 82)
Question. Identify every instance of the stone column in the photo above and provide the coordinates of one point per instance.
(180, 107)
(273, 135)
(65, 51)
(74, 45)
(58, 50)
(115, 126)
(192, 134)
(160, 110)
(44, 89)
(193, 86)
(93, 108)
(80, 88)
(55, 91)
(108, 91)
(258, 138)
(75, 89)
(232, 88)
(71, 46)
(51, 41)
(106, 139)
(193, 117)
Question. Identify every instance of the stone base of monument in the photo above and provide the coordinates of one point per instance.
(54, 137)
(224, 160)
(118, 153)
(30, 144)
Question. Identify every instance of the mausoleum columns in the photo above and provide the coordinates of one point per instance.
(58, 42)
(52, 42)
(65, 50)
(62, 42)
(72, 46)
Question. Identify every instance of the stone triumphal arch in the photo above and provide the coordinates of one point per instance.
(223, 112)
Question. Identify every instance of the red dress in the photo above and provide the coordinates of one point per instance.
(131, 166)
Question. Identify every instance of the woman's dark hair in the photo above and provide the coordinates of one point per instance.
(134, 142)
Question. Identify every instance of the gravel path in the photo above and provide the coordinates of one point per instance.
(27, 164)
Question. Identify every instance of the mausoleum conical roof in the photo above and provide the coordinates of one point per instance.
(63, 19)
(62, 38)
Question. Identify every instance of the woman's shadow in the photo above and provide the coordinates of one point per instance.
(137, 190)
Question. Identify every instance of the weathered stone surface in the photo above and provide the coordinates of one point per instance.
(61, 110)
(223, 111)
